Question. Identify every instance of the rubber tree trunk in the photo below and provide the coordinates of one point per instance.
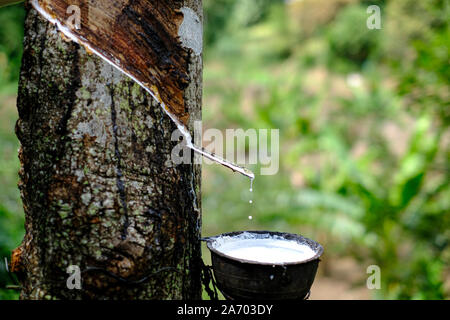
(97, 183)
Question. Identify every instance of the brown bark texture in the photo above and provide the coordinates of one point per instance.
(138, 36)
(98, 186)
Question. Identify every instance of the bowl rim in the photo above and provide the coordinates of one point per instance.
(317, 247)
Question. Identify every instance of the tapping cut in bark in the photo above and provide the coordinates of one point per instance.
(149, 41)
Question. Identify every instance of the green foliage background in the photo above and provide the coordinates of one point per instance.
(364, 138)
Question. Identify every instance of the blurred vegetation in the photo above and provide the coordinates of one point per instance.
(11, 211)
(364, 138)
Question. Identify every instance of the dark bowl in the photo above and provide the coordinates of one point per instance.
(241, 279)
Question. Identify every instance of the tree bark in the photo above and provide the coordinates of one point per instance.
(96, 179)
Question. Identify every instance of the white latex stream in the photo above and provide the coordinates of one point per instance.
(68, 33)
